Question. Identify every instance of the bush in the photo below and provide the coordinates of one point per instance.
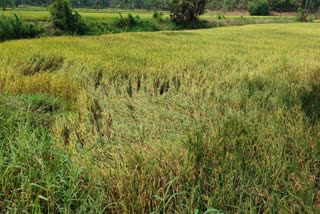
(15, 28)
(65, 20)
(100, 27)
(157, 15)
(259, 8)
(134, 24)
(121, 22)
(219, 16)
(194, 24)
(183, 11)
(131, 20)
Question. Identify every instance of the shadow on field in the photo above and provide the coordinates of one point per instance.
(311, 103)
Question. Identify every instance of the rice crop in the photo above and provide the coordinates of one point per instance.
(221, 120)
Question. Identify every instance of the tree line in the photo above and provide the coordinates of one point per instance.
(225, 5)
(98, 4)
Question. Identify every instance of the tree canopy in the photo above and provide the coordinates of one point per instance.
(186, 10)
(6, 3)
(65, 19)
(226, 5)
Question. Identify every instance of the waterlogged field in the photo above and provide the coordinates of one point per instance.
(220, 120)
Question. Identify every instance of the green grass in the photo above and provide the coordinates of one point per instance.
(222, 119)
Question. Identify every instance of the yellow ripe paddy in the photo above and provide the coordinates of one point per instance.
(218, 120)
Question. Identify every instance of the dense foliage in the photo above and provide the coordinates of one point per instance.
(259, 8)
(15, 28)
(6, 3)
(182, 11)
(226, 5)
(131, 23)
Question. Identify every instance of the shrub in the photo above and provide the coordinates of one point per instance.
(65, 19)
(121, 22)
(196, 24)
(131, 20)
(219, 16)
(15, 28)
(131, 23)
(157, 15)
(183, 11)
(100, 27)
(78, 25)
(259, 8)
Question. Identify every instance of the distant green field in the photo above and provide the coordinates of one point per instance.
(42, 14)
(217, 120)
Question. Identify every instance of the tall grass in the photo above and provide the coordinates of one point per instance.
(222, 120)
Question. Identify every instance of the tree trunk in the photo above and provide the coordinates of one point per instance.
(306, 10)
(318, 13)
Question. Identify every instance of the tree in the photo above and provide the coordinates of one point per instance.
(6, 3)
(99, 5)
(183, 11)
(303, 13)
(242, 6)
(228, 5)
(61, 14)
(259, 8)
(64, 19)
